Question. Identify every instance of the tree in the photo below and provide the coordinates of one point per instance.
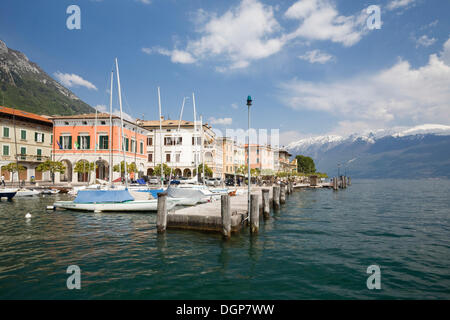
(12, 168)
(157, 170)
(208, 170)
(305, 164)
(52, 167)
(84, 166)
(131, 167)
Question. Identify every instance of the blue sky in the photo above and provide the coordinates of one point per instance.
(312, 66)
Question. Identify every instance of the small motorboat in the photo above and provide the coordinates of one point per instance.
(110, 201)
(26, 193)
(7, 193)
(49, 191)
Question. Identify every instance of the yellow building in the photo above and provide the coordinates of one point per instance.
(26, 138)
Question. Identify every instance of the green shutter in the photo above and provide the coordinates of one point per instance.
(23, 134)
(43, 138)
(78, 142)
(88, 143)
(127, 144)
(35, 136)
(70, 142)
(6, 132)
(60, 142)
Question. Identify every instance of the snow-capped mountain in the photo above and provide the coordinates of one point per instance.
(422, 151)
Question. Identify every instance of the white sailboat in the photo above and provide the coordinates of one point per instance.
(112, 199)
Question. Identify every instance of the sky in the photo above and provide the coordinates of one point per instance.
(312, 67)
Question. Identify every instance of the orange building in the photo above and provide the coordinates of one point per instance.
(90, 137)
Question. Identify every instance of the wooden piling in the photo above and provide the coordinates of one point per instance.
(265, 203)
(226, 215)
(276, 197)
(349, 181)
(283, 194)
(254, 213)
(335, 184)
(161, 216)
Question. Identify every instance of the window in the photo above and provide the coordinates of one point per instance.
(5, 132)
(199, 141)
(103, 122)
(179, 141)
(150, 157)
(168, 141)
(133, 145)
(39, 155)
(5, 150)
(38, 137)
(126, 143)
(149, 141)
(51, 139)
(103, 142)
(23, 153)
(142, 147)
(177, 157)
(23, 134)
(65, 142)
(84, 122)
(83, 142)
(167, 157)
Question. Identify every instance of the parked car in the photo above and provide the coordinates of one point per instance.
(213, 182)
(229, 182)
(153, 180)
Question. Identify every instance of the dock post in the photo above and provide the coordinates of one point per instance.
(161, 216)
(254, 213)
(349, 181)
(276, 197)
(335, 184)
(265, 203)
(226, 215)
(283, 194)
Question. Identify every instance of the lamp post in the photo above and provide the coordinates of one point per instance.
(249, 103)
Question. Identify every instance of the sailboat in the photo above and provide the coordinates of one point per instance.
(112, 199)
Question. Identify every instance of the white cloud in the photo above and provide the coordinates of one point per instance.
(234, 106)
(425, 41)
(287, 137)
(176, 56)
(317, 56)
(73, 80)
(399, 94)
(396, 4)
(144, 1)
(242, 34)
(220, 121)
(320, 20)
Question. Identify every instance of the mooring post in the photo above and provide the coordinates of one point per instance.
(283, 194)
(335, 184)
(161, 216)
(276, 197)
(226, 215)
(349, 181)
(254, 213)
(265, 203)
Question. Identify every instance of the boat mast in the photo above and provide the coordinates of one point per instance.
(178, 135)
(121, 124)
(201, 150)
(195, 137)
(160, 138)
(110, 130)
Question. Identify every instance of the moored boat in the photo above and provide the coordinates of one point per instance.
(7, 193)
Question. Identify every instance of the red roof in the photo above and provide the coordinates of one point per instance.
(24, 114)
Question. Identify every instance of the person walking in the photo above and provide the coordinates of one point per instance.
(2, 181)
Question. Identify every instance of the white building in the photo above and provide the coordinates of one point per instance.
(181, 150)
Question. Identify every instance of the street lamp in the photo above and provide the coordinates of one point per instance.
(249, 103)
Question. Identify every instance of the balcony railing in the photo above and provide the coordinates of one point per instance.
(25, 157)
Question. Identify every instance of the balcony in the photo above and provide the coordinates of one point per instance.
(26, 158)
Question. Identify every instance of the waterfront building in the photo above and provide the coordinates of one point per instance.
(181, 150)
(89, 137)
(284, 162)
(26, 138)
(261, 157)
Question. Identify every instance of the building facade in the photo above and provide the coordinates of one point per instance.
(97, 138)
(261, 157)
(284, 162)
(182, 150)
(25, 138)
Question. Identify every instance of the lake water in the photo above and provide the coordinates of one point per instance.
(318, 246)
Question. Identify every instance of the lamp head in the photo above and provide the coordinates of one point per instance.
(249, 101)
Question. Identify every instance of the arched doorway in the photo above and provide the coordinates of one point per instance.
(150, 172)
(5, 173)
(177, 172)
(23, 174)
(83, 176)
(37, 175)
(187, 173)
(67, 175)
(102, 170)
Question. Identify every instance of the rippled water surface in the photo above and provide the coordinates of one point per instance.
(317, 247)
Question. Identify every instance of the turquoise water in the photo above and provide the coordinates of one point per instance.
(317, 247)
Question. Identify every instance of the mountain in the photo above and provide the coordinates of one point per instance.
(25, 86)
(416, 152)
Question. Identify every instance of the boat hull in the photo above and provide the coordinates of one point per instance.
(128, 206)
(8, 193)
